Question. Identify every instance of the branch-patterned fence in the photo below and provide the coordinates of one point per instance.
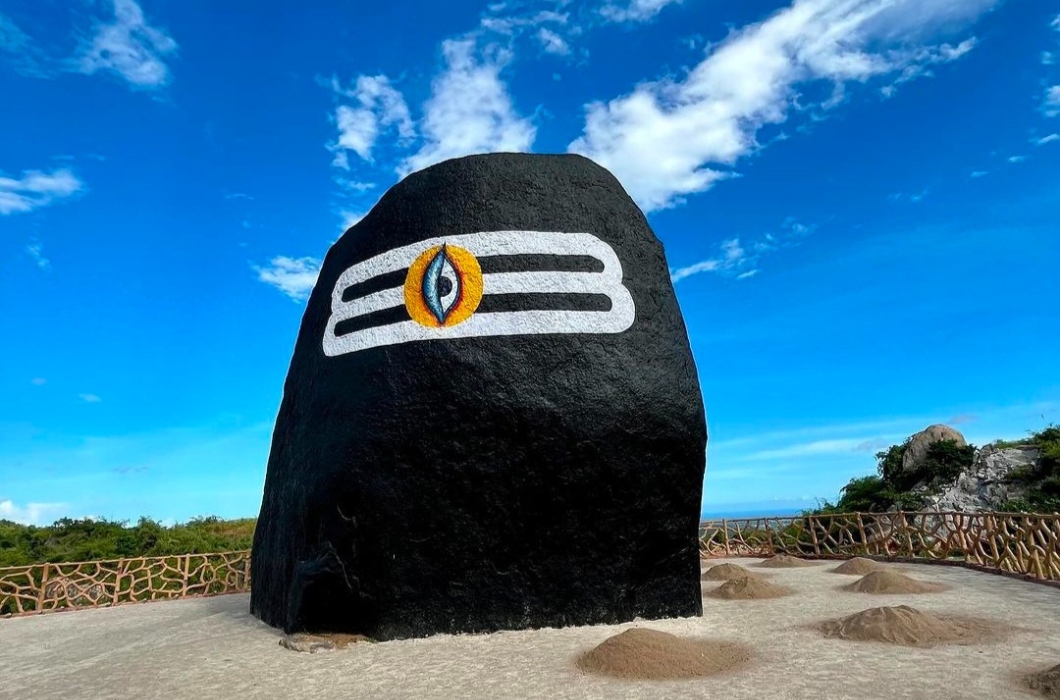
(45, 587)
(1015, 543)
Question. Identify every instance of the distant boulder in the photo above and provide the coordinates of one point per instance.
(920, 443)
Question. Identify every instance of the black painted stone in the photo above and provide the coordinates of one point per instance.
(488, 483)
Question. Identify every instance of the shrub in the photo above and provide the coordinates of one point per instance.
(889, 461)
(864, 494)
(69, 540)
(946, 460)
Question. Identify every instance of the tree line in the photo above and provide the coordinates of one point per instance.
(68, 540)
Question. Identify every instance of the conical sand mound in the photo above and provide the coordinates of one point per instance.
(892, 583)
(784, 561)
(643, 654)
(1047, 683)
(906, 626)
(726, 572)
(858, 566)
(748, 588)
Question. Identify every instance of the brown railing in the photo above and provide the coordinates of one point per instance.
(1015, 543)
(44, 587)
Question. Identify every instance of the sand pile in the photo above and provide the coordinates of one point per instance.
(858, 566)
(1047, 683)
(645, 654)
(906, 626)
(726, 572)
(892, 582)
(784, 561)
(748, 588)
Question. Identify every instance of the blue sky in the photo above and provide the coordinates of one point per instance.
(859, 201)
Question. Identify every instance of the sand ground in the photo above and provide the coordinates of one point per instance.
(212, 648)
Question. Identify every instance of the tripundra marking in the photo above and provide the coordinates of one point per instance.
(444, 287)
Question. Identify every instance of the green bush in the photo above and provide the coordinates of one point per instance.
(944, 461)
(1025, 475)
(1048, 443)
(1033, 503)
(866, 494)
(889, 461)
(1042, 481)
(69, 540)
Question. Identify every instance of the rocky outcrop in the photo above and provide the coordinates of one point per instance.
(921, 442)
(984, 486)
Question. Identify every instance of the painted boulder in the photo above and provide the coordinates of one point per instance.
(492, 418)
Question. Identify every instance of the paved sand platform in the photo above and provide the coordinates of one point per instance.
(200, 649)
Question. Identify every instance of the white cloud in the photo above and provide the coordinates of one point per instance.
(25, 56)
(36, 189)
(1055, 24)
(512, 25)
(295, 277)
(469, 110)
(129, 47)
(1016, 159)
(38, 381)
(675, 137)
(35, 251)
(349, 218)
(378, 106)
(1047, 139)
(736, 260)
(89, 398)
(908, 197)
(11, 37)
(1051, 103)
(978, 173)
(238, 195)
(31, 513)
(1048, 58)
(553, 42)
(817, 447)
(353, 185)
(733, 256)
(634, 10)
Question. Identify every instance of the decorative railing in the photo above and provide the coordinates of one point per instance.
(1015, 543)
(44, 587)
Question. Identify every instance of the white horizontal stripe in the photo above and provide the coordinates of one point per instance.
(493, 324)
(483, 245)
(607, 282)
(379, 301)
(546, 282)
(493, 283)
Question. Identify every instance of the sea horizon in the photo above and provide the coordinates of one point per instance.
(736, 514)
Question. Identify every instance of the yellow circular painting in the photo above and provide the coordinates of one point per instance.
(443, 286)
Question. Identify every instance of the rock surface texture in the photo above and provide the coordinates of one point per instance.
(492, 417)
(984, 486)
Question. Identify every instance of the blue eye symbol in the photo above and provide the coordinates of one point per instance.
(441, 286)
